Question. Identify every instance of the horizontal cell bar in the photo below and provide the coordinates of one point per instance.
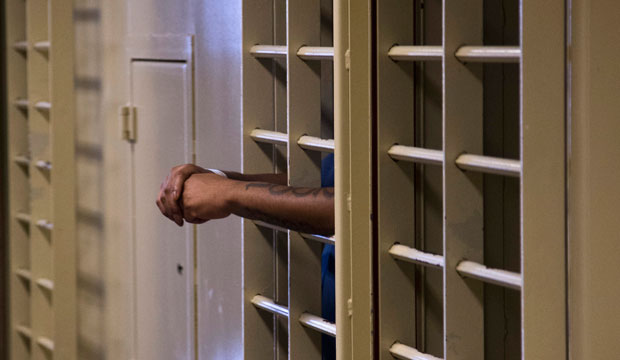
(416, 53)
(24, 331)
(489, 165)
(499, 277)
(409, 254)
(44, 224)
(315, 143)
(489, 54)
(316, 53)
(318, 323)
(43, 165)
(22, 160)
(42, 46)
(401, 351)
(416, 154)
(267, 304)
(43, 106)
(270, 137)
(330, 240)
(23, 274)
(45, 284)
(23, 217)
(269, 226)
(21, 104)
(46, 343)
(268, 51)
(21, 46)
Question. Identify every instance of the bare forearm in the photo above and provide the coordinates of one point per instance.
(309, 210)
(280, 179)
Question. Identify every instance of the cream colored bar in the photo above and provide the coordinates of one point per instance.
(268, 51)
(22, 160)
(269, 305)
(416, 53)
(21, 104)
(489, 165)
(330, 240)
(318, 323)
(402, 351)
(499, 277)
(409, 254)
(23, 274)
(315, 143)
(270, 137)
(24, 331)
(489, 54)
(23, 217)
(21, 46)
(45, 284)
(269, 226)
(42, 46)
(316, 53)
(43, 105)
(416, 154)
(46, 343)
(45, 224)
(43, 165)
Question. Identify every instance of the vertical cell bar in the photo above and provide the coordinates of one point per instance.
(463, 217)
(258, 112)
(395, 179)
(18, 183)
(304, 114)
(543, 297)
(62, 137)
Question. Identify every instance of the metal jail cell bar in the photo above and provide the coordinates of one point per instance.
(270, 137)
(269, 305)
(43, 106)
(46, 343)
(489, 165)
(23, 274)
(409, 254)
(24, 331)
(320, 238)
(45, 224)
(416, 53)
(316, 144)
(316, 53)
(21, 104)
(23, 217)
(269, 51)
(46, 284)
(318, 324)
(401, 351)
(21, 46)
(21, 160)
(43, 165)
(499, 277)
(42, 46)
(489, 54)
(416, 154)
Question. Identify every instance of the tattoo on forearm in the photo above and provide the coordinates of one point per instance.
(278, 190)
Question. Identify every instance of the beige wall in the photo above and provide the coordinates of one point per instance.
(594, 178)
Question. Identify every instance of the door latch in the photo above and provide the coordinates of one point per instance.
(128, 122)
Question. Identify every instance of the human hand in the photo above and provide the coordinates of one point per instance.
(171, 189)
(207, 196)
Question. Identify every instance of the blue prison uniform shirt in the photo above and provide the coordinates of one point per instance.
(328, 278)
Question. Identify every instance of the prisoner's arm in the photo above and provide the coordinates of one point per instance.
(280, 179)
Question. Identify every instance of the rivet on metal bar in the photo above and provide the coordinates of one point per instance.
(23, 274)
(489, 165)
(401, 351)
(21, 104)
(489, 54)
(42, 46)
(268, 51)
(43, 165)
(416, 154)
(316, 53)
(44, 224)
(267, 304)
(46, 284)
(330, 240)
(24, 331)
(316, 144)
(318, 323)
(270, 137)
(46, 343)
(21, 46)
(499, 277)
(21, 160)
(43, 106)
(23, 217)
(416, 53)
(409, 254)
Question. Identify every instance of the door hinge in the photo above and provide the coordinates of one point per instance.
(128, 122)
